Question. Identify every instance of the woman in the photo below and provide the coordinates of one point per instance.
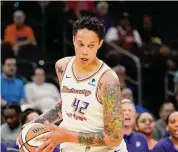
(170, 143)
(145, 125)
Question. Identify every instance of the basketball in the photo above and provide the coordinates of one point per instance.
(27, 139)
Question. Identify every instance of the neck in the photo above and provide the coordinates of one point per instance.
(174, 140)
(127, 130)
(148, 137)
(8, 77)
(88, 68)
(39, 84)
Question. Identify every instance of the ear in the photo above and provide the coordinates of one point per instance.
(100, 44)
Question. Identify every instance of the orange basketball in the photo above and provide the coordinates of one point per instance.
(27, 139)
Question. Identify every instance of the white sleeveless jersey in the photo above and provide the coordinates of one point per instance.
(81, 109)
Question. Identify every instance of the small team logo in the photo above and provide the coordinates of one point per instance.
(138, 144)
(92, 82)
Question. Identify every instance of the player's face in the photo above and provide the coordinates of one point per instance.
(86, 43)
(129, 115)
(173, 125)
(146, 123)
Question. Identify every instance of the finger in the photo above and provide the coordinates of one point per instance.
(42, 138)
(50, 125)
(42, 147)
(48, 148)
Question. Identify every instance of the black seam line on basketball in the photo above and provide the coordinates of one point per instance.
(25, 148)
(31, 139)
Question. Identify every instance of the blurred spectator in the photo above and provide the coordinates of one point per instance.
(82, 8)
(27, 116)
(11, 129)
(160, 125)
(18, 35)
(123, 34)
(169, 144)
(136, 142)
(121, 72)
(145, 124)
(103, 16)
(39, 93)
(12, 88)
(30, 114)
(176, 87)
(3, 147)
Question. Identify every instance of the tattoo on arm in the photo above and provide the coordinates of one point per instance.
(113, 116)
(52, 116)
(59, 69)
(92, 139)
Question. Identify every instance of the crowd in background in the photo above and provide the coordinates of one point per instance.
(29, 85)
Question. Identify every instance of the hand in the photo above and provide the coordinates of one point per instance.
(56, 136)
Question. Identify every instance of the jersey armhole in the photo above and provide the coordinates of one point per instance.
(65, 71)
(97, 96)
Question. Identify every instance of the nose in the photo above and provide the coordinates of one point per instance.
(9, 120)
(85, 51)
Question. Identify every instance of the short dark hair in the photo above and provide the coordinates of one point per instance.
(167, 119)
(27, 112)
(8, 58)
(163, 105)
(16, 107)
(90, 23)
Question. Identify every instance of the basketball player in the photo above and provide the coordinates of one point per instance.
(90, 93)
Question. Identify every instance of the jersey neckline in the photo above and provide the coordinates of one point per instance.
(88, 77)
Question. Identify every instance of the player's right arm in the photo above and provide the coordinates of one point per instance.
(53, 115)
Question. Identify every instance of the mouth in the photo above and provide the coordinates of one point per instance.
(176, 132)
(84, 59)
(127, 119)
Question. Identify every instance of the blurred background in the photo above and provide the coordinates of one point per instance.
(141, 45)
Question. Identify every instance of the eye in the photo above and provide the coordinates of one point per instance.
(80, 44)
(91, 46)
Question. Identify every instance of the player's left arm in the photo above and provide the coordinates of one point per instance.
(112, 135)
(110, 97)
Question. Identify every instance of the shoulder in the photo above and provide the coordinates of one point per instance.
(10, 27)
(27, 27)
(49, 85)
(19, 81)
(3, 127)
(63, 62)
(29, 84)
(61, 66)
(109, 77)
(108, 86)
(162, 144)
(158, 122)
(139, 135)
